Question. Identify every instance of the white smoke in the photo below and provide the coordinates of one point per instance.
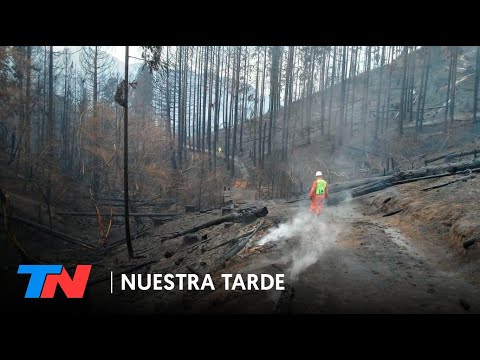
(308, 237)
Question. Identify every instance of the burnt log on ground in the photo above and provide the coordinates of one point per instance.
(232, 217)
(393, 213)
(88, 213)
(464, 178)
(58, 234)
(337, 187)
(403, 177)
(138, 202)
(450, 156)
(243, 241)
(231, 240)
(296, 200)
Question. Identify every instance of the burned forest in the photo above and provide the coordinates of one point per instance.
(178, 179)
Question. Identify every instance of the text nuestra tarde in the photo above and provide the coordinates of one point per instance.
(194, 282)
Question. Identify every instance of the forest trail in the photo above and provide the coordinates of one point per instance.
(241, 167)
(239, 163)
(353, 259)
(349, 263)
(373, 267)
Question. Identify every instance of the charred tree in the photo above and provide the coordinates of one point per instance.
(447, 101)
(125, 162)
(402, 114)
(454, 83)
(235, 119)
(332, 81)
(477, 80)
(380, 83)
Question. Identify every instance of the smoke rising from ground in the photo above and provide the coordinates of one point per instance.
(308, 237)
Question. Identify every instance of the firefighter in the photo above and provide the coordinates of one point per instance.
(318, 193)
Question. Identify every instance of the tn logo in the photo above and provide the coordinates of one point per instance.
(44, 280)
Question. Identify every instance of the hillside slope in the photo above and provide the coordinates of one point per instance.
(351, 161)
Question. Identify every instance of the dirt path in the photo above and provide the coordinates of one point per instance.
(239, 163)
(360, 265)
(374, 268)
(241, 167)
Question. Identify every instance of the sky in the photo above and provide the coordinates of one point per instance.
(117, 52)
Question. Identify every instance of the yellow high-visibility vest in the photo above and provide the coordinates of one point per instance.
(321, 186)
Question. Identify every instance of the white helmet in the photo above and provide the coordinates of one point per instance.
(319, 173)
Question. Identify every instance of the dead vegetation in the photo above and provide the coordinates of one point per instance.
(62, 202)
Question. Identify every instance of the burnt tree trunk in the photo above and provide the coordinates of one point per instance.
(125, 162)
(475, 89)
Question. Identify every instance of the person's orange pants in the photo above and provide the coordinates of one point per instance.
(316, 204)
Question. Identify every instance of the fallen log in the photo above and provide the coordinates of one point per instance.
(358, 191)
(404, 177)
(57, 234)
(392, 213)
(112, 199)
(148, 202)
(353, 184)
(436, 176)
(390, 181)
(387, 182)
(427, 161)
(368, 188)
(378, 186)
(453, 155)
(295, 200)
(230, 240)
(231, 217)
(434, 170)
(207, 224)
(423, 178)
(241, 244)
(236, 248)
(139, 201)
(217, 246)
(87, 213)
(470, 175)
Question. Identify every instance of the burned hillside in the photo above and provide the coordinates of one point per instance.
(199, 161)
